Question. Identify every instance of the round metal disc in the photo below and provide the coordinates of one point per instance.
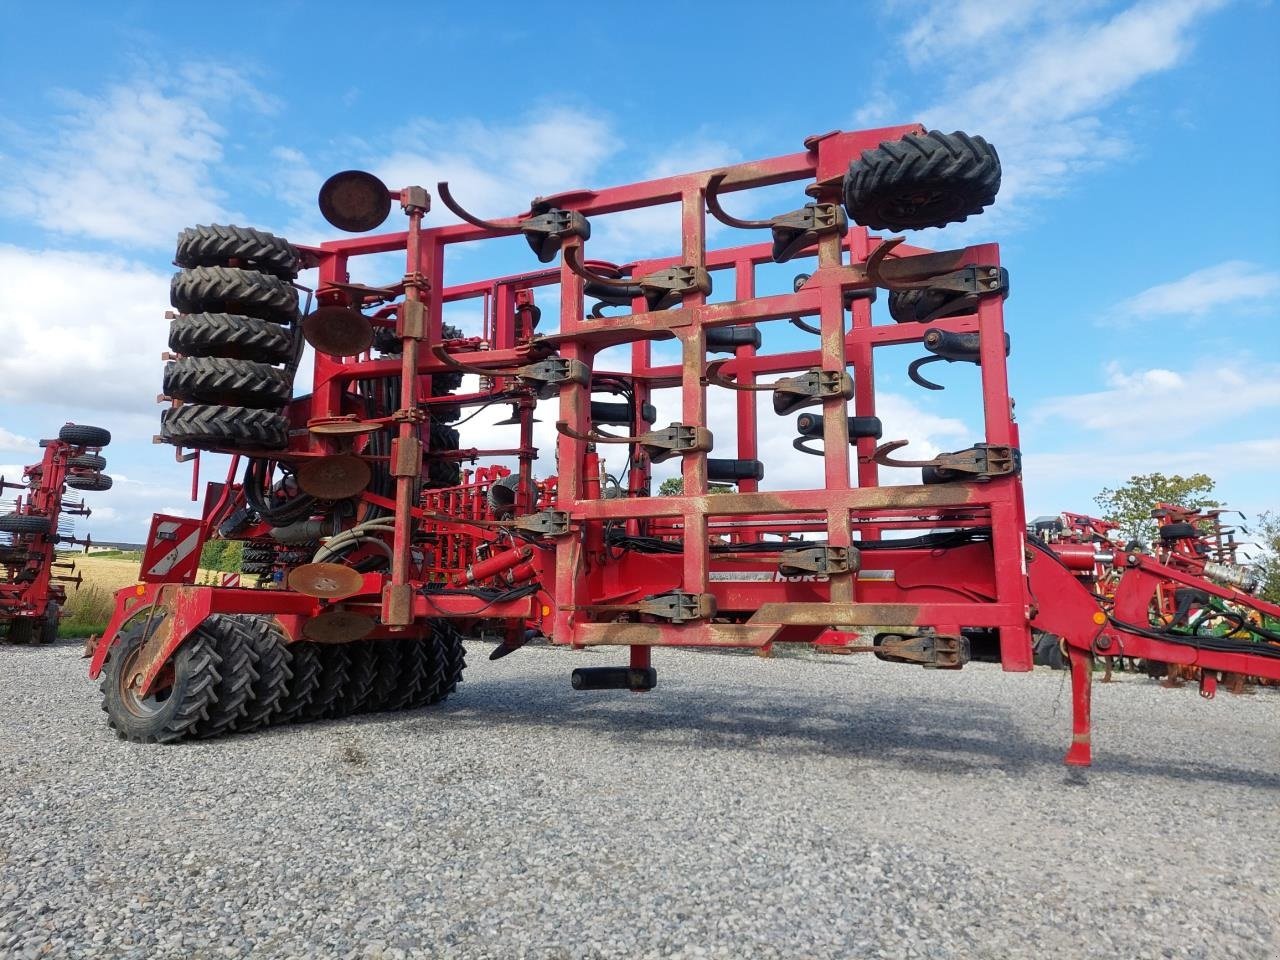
(338, 626)
(342, 427)
(334, 478)
(338, 331)
(325, 581)
(355, 201)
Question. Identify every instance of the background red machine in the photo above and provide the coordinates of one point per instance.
(380, 552)
(32, 580)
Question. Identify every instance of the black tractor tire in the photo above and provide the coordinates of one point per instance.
(24, 523)
(256, 553)
(231, 290)
(207, 427)
(1046, 651)
(257, 567)
(443, 473)
(445, 659)
(226, 335)
(82, 435)
(414, 659)
(389, 665)
(304, 679)
(12, 556)
(295, 558)
(87, 461)
(237, 676)
(362, 670)
(274, 674)
(334, 661)
(1178, 531)
(923, 180)
(169, 715)
(47, 626)
(89, 481)
(216, 246)
(228, 382)
(919, 306)
(22, 631)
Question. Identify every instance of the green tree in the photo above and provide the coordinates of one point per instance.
(1130, 504)
(222, 555)
(1266, 534)
(674, 487)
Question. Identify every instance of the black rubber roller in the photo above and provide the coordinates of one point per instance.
(604, 411)
(731, 471)
(614, 678)
(810, 425)
(728, 339)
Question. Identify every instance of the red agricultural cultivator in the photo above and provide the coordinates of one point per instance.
(32, 579)
(379, 552)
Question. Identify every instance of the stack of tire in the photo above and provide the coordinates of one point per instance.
(237, 673)
(84, 470)
(237, 336)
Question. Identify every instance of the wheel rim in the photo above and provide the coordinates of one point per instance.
(142, 707)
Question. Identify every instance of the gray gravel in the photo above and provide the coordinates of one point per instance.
(747, 808)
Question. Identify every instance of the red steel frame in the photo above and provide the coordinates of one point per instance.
(588, 594)
(31, 584)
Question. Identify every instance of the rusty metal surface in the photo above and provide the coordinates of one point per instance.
(325, 581)
(334, 478)
(338, 626)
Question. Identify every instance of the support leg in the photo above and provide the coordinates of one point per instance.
(1081, 752)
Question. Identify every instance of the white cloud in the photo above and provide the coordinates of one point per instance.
(494, 171)
(1203, 291)
(91, 339)
(1036, 80)
(12, 441)
(133, 165)
(1140, 403)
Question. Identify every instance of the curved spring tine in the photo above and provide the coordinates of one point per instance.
(717, 211)
(573, 260)
(913, 372)
(882, 456)
(802, 444)
(511, 225)
(805, 326)
(449, 360)
(593, 435)
(874, 261)
(713, 376)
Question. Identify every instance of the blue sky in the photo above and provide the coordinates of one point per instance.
(1138, 216)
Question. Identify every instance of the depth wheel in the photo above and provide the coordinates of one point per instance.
(23, 523)
(272, 667)
(923, 180)
(179, 703)
(82, 435)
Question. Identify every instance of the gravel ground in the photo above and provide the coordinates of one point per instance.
(747, 808)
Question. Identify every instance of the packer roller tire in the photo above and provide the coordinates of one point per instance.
(87, 461)
(211, 427)
(237, 675)
(24, 523)
(333, 661)
(362, 670)
(230, 336)
(170, 714)
(235, 291)
(304, 680)
(923, 180)
(217, 245)
(89, 481)
(273, 671)
(215, 380)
